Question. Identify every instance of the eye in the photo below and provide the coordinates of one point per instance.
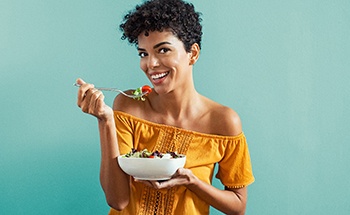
(142, 54)
(163, 50)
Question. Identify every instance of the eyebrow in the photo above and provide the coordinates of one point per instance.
(155, 46)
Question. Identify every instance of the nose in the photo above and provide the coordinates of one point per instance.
(153, 62)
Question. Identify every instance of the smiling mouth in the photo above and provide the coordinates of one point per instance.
(159, 75)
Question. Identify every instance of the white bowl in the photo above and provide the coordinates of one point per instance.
(151, 168)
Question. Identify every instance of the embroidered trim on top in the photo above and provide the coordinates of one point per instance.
(173, 140)
(160, 202)
(157, 202)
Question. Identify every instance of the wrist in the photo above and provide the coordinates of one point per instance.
(106, 121)
(193, 182)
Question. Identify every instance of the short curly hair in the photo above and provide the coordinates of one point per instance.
(157, 15)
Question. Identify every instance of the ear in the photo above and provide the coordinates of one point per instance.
(194, 53)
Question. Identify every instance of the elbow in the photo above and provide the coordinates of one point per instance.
(238, 211)
(242, 212)
(117, 205)
(240, 205)
(242, 209)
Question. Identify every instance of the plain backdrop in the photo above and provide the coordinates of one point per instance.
(282, 65)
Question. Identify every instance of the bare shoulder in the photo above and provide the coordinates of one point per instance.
(225, 121)
(127, 105)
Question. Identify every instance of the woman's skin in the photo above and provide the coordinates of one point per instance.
(174, 101)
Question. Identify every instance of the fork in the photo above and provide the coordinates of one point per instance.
(133, 96)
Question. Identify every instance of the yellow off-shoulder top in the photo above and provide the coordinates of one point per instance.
(202, 152)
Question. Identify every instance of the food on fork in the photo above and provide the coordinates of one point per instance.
(142, 91)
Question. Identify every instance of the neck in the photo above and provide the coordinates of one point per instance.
(178, 104)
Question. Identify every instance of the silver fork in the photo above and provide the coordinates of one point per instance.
(133, 96)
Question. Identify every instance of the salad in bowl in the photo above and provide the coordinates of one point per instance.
(146, 165)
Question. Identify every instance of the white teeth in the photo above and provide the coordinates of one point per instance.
(157, 76)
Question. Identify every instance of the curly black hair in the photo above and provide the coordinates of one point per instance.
(157, 15)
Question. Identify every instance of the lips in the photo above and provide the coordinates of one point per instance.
(159, 76)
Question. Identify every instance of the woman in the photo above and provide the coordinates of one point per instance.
(174, 117)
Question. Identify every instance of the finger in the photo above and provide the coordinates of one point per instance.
(82, 92)
(100, 104)
(179, 172)
(87, 101)
(165, 184)
(153, 184)
(94, 101)
(80, 81)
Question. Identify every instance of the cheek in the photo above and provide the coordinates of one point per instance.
(176, 60)
(183, 58)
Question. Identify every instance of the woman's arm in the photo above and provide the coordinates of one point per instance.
(114, 182)
(229, 201)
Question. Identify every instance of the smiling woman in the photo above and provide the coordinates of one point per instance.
(163, 57)
(173, 117)
(284, 67)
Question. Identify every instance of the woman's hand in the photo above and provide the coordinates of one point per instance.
(182, 177)
(229, 201)
(91, 101)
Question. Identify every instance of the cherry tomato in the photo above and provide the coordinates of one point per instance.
(146, 89)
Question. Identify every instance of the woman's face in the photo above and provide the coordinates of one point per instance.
(164, 61)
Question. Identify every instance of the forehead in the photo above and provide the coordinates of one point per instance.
(154, 37)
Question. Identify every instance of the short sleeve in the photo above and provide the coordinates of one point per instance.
(235, 169)
(124, 131)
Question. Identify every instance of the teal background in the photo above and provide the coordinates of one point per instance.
(282, 65)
